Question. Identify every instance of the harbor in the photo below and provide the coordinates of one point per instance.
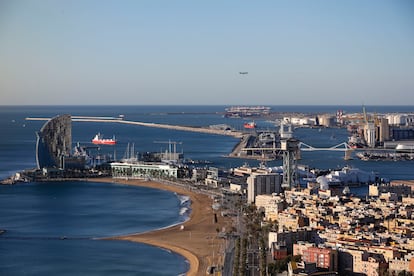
(207, 138)
(264, 145)
(210, 178)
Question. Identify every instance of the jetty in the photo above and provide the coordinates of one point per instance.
(120, 120)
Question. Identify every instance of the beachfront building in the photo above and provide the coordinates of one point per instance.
(54, 141)
(143, 170)
(263, 184)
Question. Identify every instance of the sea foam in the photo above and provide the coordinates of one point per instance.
(185, 207)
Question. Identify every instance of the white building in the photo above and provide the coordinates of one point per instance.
(299, 121)
(369, 134)
(143, 170)
(399, 119)
(259, 184)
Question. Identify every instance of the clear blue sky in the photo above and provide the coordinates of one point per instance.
(191, 52)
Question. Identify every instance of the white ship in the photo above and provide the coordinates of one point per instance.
(405, 148)
(246, 111)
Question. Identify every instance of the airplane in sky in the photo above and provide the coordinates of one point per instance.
(243, 73)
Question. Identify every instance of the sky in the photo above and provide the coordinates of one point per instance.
(190, 52)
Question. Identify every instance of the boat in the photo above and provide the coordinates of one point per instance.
(250, 125)
(356, 142)
(246, 111)
(405, 148)
(99, 140)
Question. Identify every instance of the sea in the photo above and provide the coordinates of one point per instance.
(55, 228)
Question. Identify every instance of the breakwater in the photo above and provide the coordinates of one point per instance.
(207, 130)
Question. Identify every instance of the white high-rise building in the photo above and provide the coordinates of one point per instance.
(369, 133)
(263, 184)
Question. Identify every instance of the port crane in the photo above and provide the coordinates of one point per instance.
(291, 149)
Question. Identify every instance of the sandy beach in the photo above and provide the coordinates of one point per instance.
(197, 242)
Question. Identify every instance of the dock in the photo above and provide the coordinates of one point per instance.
(206, 130)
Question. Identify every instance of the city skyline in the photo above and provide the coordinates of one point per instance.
(193, 53)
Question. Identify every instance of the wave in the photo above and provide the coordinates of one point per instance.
(183, 198)
(185, 211)
(166, 250)
(185, 207)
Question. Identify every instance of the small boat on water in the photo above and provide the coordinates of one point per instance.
(250, 125)
(99, 140)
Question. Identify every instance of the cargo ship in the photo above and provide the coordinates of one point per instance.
(99, 140)
(246, 111)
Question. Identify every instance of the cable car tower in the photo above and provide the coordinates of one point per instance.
(290, 149)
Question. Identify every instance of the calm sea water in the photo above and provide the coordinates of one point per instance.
(52, 226)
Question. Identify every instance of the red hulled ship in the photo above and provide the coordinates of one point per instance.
(99, 140)
(250, 125)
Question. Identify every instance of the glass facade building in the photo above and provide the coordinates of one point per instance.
(54, 142)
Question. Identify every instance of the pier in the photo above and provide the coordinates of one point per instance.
(207, 130)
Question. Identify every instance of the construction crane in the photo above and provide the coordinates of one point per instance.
(365, 114)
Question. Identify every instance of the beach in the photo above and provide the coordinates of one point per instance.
(196, 239)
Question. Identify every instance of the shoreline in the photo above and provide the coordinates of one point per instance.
(197, 242)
